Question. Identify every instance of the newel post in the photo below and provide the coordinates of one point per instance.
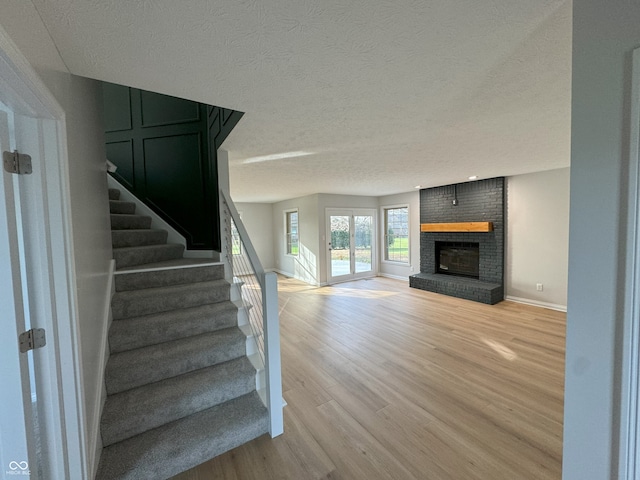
(272, 354)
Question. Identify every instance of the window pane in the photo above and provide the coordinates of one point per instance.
(396, 238)
(292, 233)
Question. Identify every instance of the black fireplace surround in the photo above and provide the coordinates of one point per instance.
(479, 201)
(458, 258)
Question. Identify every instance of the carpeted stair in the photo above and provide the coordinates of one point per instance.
(180, 388)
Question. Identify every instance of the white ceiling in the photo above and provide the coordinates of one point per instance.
(383, 94)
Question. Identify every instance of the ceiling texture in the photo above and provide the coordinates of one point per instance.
(366, 97)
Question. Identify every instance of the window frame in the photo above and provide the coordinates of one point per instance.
(288, 245)
(384, 234)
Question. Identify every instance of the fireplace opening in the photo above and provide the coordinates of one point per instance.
(458, 258)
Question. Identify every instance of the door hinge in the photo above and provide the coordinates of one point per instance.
(19, 163)
(32, 339)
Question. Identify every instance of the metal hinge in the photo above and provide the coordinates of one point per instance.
(32, 339)
(19, 163)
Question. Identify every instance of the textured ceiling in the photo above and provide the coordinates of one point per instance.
(382, 94)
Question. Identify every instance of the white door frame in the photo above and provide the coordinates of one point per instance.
(23, 91)
(374, 243)
(629, 454)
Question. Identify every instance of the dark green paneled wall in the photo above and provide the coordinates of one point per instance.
(166, 152)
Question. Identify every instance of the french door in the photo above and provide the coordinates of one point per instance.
(351, 244)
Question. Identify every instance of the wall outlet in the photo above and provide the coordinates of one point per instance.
(539, 287)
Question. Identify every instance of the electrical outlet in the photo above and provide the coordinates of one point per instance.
(539, 287)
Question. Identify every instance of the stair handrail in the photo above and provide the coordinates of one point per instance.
(270, 319)
(244, 235)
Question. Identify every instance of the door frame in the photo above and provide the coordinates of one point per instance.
(25, 93)
(629, 439)
(374, 242)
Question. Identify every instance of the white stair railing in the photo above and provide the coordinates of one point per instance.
(259, 301)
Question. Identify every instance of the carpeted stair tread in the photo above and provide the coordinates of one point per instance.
(146, 365)
(178, 446)
(127, 222)
(180, 388)
(119, 206)
(170, 276)
(162, 327)
(135, 303)
(137, 237)
(132, 256)
(140, 409)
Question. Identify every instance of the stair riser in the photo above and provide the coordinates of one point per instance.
(127, 208)
(124, 307)
(137, 238)
(147, 365)
(114, 194)
(163, 402)
(154, 329)
(165, 278)
(130, 222)
(155, 253)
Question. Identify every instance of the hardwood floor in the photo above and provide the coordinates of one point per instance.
(387, 382)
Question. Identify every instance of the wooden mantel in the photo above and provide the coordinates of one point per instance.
(457, 227)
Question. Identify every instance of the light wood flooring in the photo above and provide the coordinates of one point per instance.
(384, 381)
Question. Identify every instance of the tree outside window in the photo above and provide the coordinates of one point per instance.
(291, 234)
(396, 236)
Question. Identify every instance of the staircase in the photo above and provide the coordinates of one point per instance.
(180, 388)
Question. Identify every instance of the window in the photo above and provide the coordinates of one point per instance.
(396, 234)
(291, 232)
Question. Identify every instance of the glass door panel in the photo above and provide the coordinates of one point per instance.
(340, 245)
(351, 244)
(363, 248)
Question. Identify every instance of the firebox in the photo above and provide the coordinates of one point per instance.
(458, 258)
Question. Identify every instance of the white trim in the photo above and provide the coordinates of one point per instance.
(395, 277)
(286, 232)
(347, 280)
(169, 267)
(537, 303)
(29, 96)
(383, 234)
(95, 443)
(629, 457)
(291, 275)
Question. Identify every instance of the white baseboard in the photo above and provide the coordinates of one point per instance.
(95, 441)
(395, 277)
(291, 275)
(537, 303)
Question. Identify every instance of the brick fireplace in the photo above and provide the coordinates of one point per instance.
(457, 210)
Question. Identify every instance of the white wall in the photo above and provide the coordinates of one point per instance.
(412, 199)
(537, 247)
(305, 265)
(81, 100)
(258, 220)
(604, 35)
